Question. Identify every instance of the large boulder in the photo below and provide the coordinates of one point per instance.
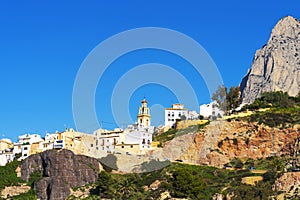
(61, 171)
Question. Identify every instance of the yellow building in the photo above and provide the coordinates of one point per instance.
(79, 143)
(144, 117)
(6, 144)
(35, 148)
(128, 149)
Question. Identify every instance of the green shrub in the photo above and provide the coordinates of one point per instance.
(236, 163)
(8, 174)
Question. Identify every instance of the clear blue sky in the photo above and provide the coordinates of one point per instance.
(42, 46)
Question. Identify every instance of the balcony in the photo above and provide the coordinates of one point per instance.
(58, 144)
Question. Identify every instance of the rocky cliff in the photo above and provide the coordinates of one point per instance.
(222, 141)
(276, 66)
(61, 171)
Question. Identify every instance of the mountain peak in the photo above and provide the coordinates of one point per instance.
(276, 66)
(287, 26)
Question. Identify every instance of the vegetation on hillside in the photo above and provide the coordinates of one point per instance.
(8, 177)
(276, 99)
(180, 180)
(284, 110)
(189, 181)
(172, 133)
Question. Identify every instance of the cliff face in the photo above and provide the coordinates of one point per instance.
(61, 170)
(276, 66)
(222, 141)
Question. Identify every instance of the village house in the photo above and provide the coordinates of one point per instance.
(27, 145)
(211, 110)
(175, 113)
(178, 112)
(6, 151)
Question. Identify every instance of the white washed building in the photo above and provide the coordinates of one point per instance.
(24, 143)
(107, 140)
(211, 109)
(6, 151)
(176, 112)
(192, 115)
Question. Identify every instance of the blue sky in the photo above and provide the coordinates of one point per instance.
(43, 44)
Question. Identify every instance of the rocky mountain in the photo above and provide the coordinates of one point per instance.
(276, 66)
(61, 171)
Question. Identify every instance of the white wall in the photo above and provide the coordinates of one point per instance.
(210, 109)
(171, 115)
(6, 158)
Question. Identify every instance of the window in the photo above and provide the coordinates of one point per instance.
(122, 147)
(25, 154)
(92, 145)
(169, 119)
(131, 146)
(25, 148)
(144, 141)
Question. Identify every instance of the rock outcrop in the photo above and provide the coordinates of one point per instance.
(276, 66)
(287, 180)
(11, 191)
(61, 171)
(289, 185)
(222, 141)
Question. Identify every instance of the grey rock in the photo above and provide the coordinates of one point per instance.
(276, 66)
(61, 170)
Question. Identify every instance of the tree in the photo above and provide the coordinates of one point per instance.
(105, 185)
(297, 98)
(237, 163)
(201, 117)
(227, 100)
(233, 98)
(220, 97)
(183, 118)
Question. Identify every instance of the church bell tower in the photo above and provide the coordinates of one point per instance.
(144, 117)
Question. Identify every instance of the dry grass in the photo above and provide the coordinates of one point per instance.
(252, 180)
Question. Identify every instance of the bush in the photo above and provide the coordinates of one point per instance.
(8, 174)
(236, 163)
(220, 144)
(201, 117)
(235, 141)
